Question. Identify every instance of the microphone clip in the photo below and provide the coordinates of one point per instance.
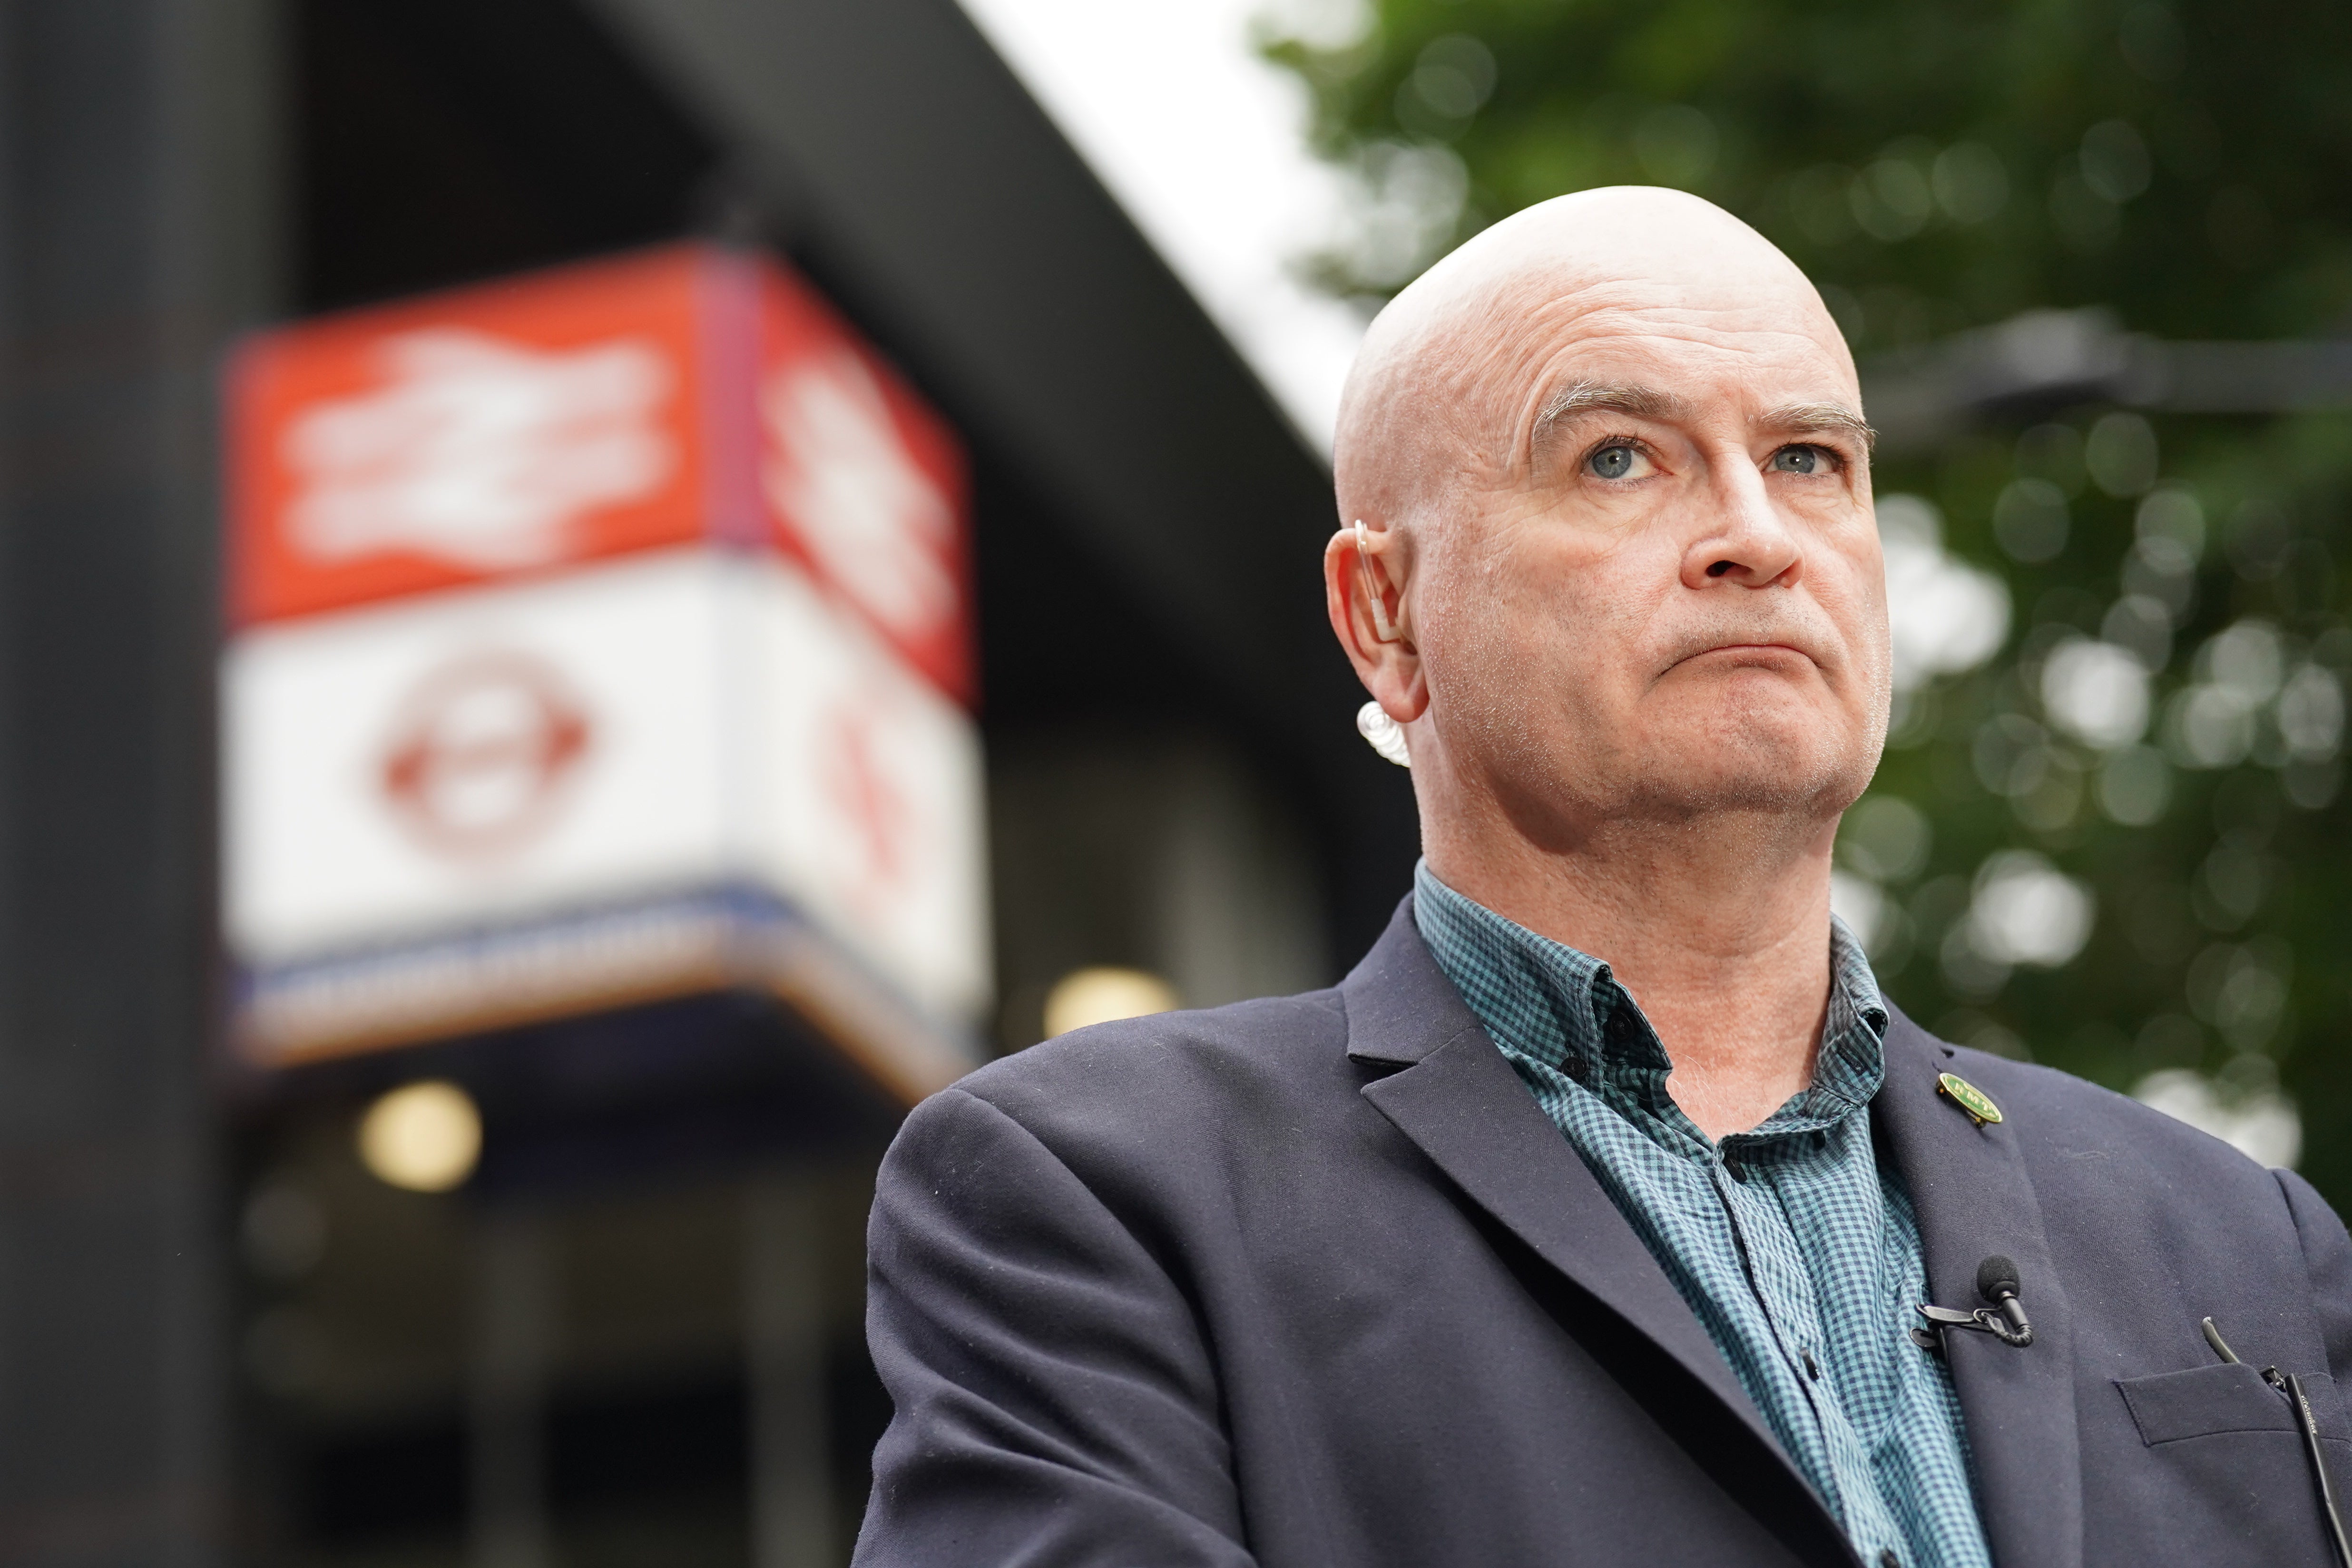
(1984, 1320)
(2004, 1319)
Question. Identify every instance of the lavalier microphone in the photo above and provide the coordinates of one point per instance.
(1997, 1283)
(2004, 1320)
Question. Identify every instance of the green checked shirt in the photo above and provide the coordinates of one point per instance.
(1798, 1251)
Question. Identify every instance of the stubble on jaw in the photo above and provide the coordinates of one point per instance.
(1568, 767)
(1727, 778)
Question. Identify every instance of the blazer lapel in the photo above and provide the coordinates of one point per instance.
(1974, 1200)
(1458, 1099)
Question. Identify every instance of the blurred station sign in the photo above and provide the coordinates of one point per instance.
(597, 635)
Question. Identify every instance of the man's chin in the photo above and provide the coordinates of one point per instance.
(1751, 773)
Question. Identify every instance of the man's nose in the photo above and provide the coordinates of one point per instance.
(1750, 543)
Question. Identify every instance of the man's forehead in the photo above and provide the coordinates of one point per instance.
(1738, 344)
(1772, 380)
(1774, 327)
(1627, 287)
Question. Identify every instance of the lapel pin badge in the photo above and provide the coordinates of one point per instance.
(1968, 1097)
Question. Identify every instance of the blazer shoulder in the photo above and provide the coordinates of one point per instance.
(1170, 1064)
(2057, 1113)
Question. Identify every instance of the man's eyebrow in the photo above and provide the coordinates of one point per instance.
(1811, 418)
(1578, 397)
(1592, 397)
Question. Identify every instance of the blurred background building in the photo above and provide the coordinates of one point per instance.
(596, 594)
(598, 499)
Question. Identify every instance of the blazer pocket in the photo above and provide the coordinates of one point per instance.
(2227, 1397)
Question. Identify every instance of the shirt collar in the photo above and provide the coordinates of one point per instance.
(1554, 1002)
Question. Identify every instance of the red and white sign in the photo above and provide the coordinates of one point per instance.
(863, 483)
(506, 428)
(587, 412)
(633, 580)
(681, 719)
(482, 752)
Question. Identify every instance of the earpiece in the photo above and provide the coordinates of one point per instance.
(1382, 626)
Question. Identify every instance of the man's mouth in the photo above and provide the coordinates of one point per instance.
(1764, 655)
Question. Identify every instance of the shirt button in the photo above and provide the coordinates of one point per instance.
(1739, 1169)
(1812, 1367)
(1887, 1559)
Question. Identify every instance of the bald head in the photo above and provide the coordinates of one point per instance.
(1618, 562)
(1452, 384)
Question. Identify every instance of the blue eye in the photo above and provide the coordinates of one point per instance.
(1611, 462)
(1798, 459)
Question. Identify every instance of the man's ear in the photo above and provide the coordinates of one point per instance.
(1365, 590)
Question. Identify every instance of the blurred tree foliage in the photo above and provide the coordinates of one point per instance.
(1936, 166)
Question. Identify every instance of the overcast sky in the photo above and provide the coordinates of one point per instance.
(1203, 142)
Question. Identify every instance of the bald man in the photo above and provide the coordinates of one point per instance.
(1607, 1213)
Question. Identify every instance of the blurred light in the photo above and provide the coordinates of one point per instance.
(2029, 520)
(2114, 161)
(425, 1137)
(2053, 800)
(1456, 76)
(1859, 903)
(2245, 660)
(1885, 839)
(2121, 453)
(2162, 570)
(2012, 754)
(2172, 512)
(2027, 911)
(2259, 536)
(1404, 204)
(1101, 993)
(1970, 182)
(2311, 714)
(2095, 691)
(2141, 625)
(1892, 200)
(2258, 1123)
(2231, 885)
(1946, 616)
(2135, 785)
(2208, 727)
(1875, 919)
(2051, 452)
(2240, 988)
(2312, 785)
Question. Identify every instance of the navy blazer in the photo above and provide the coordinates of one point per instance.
(1313, 1281)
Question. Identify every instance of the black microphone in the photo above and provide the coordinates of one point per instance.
(1997, 1283)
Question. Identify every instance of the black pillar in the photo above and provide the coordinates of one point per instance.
(137, 187)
